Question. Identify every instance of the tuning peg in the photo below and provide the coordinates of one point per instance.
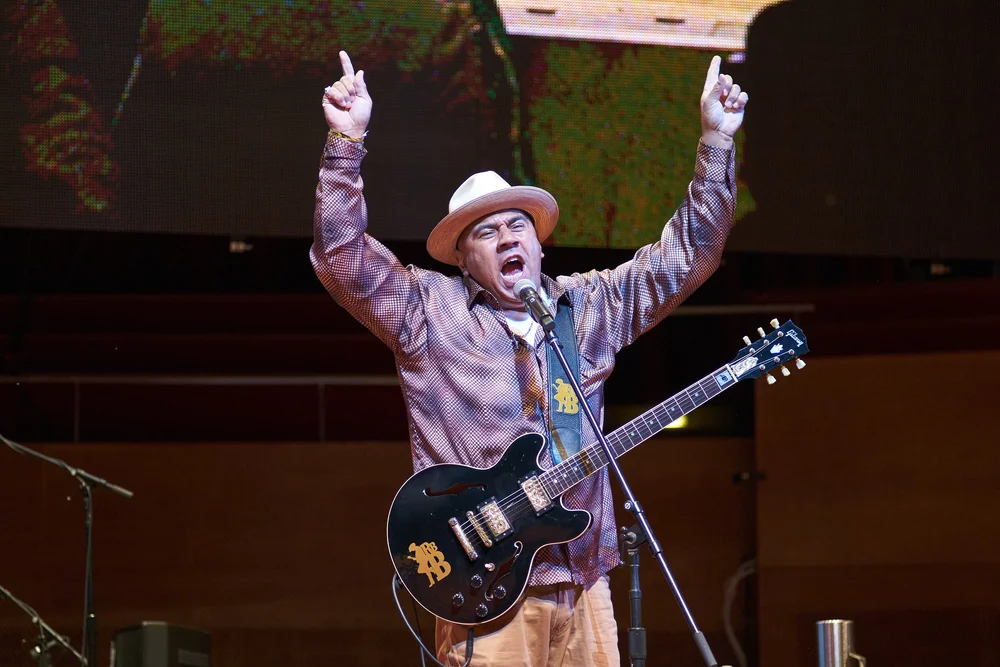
(785, 371)
(746, 340)
(760, 332)
(800, 364)
(774, 323)
(770, 379)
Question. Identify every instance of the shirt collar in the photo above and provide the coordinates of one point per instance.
(475, 292)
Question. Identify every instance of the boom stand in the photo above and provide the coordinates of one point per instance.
(87, 484)
(45, 632)
(631, 504)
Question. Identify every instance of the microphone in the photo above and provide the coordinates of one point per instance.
(528, 294)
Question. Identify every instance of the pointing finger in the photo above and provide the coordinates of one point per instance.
(345, 62)
(713, 73)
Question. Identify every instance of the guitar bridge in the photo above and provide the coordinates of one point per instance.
(495, 519)
(539, 500)
(463, 539)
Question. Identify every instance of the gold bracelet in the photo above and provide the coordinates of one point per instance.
(353, 140)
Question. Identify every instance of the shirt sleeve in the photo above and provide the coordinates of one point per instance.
(635, 296)
(361, 274)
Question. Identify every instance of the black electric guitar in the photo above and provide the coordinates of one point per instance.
(463, 539)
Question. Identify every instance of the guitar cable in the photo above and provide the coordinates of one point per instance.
(398, 583)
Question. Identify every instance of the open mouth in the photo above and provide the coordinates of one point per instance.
(512, 270)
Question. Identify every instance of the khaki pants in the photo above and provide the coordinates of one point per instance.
(564, 624)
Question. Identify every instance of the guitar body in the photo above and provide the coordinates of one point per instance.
(435, 564)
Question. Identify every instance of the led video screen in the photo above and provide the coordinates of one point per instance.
(203, 117)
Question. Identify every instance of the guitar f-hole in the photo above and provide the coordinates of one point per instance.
(453, 489)
(503, 569)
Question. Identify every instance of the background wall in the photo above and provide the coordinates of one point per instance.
(881, 505)
(278, 549)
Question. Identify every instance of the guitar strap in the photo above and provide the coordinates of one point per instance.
(565, 420)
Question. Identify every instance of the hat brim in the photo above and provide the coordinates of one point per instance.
(539, 204)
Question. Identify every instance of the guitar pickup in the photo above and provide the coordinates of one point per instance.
(495, 519)
(463, 539)
(539, 500)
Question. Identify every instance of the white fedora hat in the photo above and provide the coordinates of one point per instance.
(482, 194)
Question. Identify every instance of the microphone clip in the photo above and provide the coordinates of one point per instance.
(528, 294)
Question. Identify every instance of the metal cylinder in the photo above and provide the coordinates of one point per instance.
(835, 640)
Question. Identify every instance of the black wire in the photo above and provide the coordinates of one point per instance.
(396, 583)
(416, 615)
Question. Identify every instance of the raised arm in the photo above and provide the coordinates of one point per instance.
(361, 274)
(637, 295)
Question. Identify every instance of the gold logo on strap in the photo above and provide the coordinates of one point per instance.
(431, 561)
(566, 398)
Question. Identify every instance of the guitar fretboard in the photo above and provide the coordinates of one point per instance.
(589, 460)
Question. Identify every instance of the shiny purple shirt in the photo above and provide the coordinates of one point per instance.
(471, 386)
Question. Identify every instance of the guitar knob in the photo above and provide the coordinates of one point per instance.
(770, 379)
(481, 611)
(774, 323)
(499, 592)
(800, 364)
(785, 371)
(476, 581)
(458, 599)
(746, 340)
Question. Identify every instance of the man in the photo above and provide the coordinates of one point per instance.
(472, 364)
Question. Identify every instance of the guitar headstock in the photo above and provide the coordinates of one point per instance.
(786, 344)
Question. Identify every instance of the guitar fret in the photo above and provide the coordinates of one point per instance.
(574, 470)
(615, 442)
(653, 422)
(643, 429)
(674, 410)
(598, 455)
(617, 446)
(662, 416)
(711, 387)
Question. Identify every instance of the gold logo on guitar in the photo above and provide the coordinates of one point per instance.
(568, 402)
(431, 561)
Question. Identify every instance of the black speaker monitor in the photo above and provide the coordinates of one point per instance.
(158, 644)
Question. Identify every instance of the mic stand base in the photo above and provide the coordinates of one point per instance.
(43, 657)
(631, 539)
(631, 503)
(47, 636)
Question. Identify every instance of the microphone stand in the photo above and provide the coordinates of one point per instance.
(87, 483)
(631, 539)
(44, 632)
(631, 504)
